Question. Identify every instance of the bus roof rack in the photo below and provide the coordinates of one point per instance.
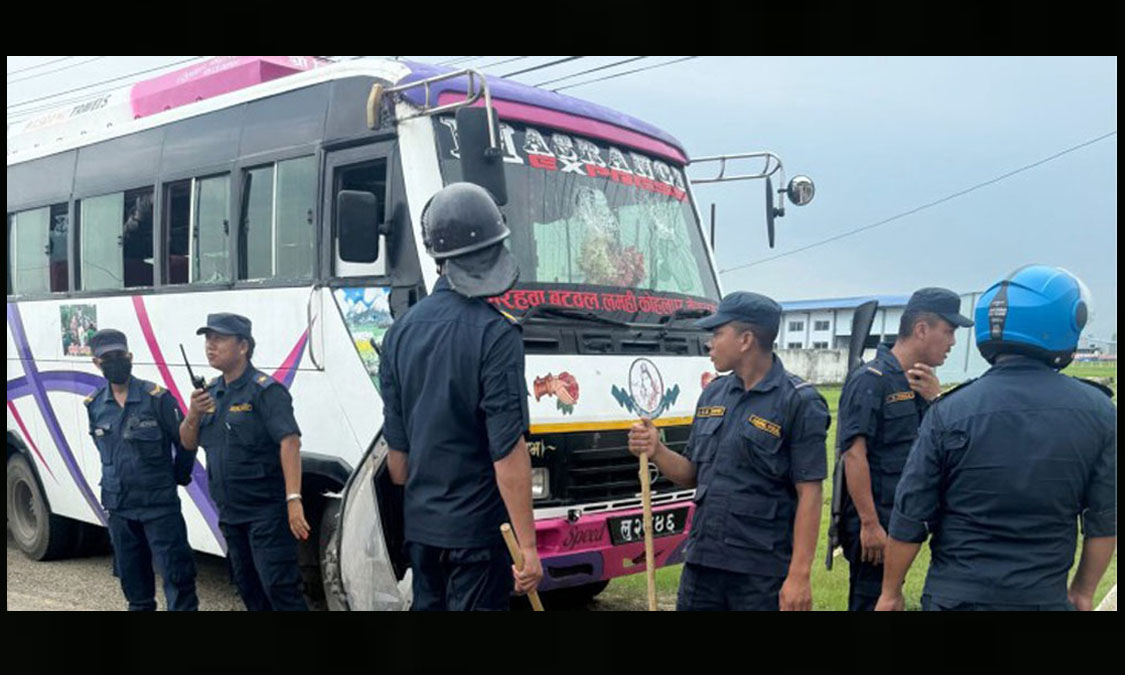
(473, 94)
(772, 166)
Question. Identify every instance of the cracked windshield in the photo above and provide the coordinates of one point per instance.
(592, 215)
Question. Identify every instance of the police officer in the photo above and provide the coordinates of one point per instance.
(455, 415)
(244, 419)
(136, 428)
(1007, 465)
(881, 406)
(756, 457)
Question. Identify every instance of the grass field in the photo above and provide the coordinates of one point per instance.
(829, 588)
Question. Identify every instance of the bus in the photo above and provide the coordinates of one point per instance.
(289, 189)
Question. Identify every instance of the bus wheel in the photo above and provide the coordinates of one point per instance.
(40, 534)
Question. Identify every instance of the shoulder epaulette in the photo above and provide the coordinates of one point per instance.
(263, 380)
(876, 371)
(1097, 385)
(510, 317)
(89, 399)
(157, 390)
(946, 394)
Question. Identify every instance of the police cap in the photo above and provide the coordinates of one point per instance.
(941, 301)
(747, 307)
(226, 324)
(108, 340)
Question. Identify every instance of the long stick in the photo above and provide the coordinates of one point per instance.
(650, 564)
(517, 558)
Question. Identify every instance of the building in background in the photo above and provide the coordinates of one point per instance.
(817, 325)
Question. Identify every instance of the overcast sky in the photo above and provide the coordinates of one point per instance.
(879, 136)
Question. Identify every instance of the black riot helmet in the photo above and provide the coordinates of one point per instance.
(463, 227)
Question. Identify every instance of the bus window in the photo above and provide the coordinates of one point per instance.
(257, 251)
(296, 197)
(196, 217)
(116, 240)
(177, 228)
(37, 251)
(277, 220)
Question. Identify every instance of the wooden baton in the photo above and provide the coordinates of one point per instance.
(650, 562)
(517, 558)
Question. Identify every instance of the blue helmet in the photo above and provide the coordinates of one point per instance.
(1037, 311)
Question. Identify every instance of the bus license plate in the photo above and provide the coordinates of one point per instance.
(630, 529)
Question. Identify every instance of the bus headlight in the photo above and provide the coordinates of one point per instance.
(540, 483)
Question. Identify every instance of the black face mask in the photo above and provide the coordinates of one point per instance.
(117, 370)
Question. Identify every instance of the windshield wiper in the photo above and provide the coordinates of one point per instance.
(567, 313)
(685, 314)
(666, 321)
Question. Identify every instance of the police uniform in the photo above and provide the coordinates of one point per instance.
(142, 463)
(243, 443)
(749, 448)
(1002, 469)
(455, 401)
(878, 404)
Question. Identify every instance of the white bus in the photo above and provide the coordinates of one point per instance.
(289, 190)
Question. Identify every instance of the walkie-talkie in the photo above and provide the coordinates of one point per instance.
(197, 382)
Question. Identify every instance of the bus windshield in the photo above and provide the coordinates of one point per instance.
(592, 222)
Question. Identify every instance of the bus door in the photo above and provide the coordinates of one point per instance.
(375, 276)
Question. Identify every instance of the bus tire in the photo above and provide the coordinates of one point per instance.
(40, 534)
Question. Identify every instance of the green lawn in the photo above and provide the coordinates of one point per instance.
(829, 588)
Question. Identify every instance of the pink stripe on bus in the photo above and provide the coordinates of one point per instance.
(30, 440)
(157, 355)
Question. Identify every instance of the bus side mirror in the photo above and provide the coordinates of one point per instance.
(357, 220)
(481, 163)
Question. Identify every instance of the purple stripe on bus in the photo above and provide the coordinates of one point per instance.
(39, 392)
(521, 93)
(71, 381)
(85, 384)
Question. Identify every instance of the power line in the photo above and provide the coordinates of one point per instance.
(500, 63)
(56, 70)
(97, 84)
(459, 59)
(540, 67)
(591, 70)
(627, 72)
(38, 65)
(925, 206)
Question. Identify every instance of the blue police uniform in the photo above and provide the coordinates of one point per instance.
(749, 448)
(878, 404)
(142, 463)
(242, 438)
(1003, 470)
(455, 400)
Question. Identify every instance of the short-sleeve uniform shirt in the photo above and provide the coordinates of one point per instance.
(455, 400)
(749, 448)
(878, 404)
(140, 449)
(243, 443)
